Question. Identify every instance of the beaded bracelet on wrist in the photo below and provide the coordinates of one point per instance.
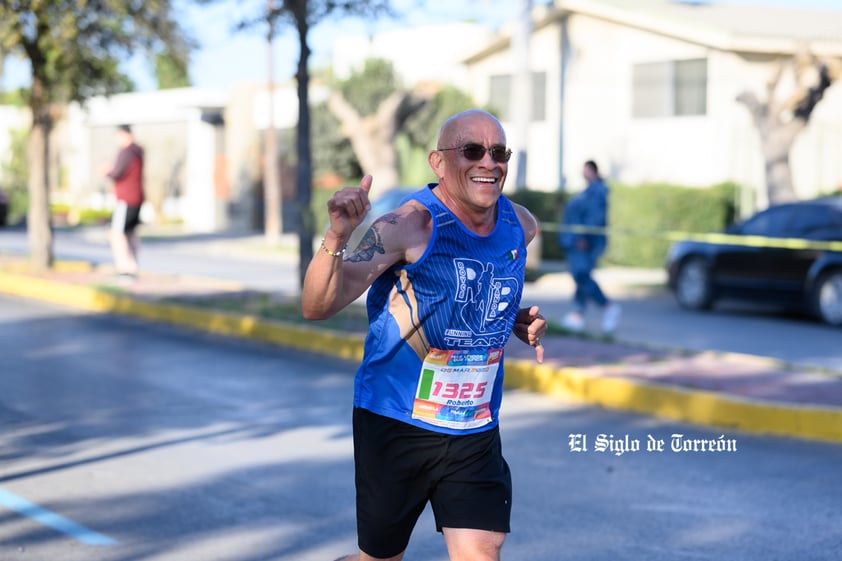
(339, 253)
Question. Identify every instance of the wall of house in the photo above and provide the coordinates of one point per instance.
(543, 136)
(243, 148)
(544, 142)
(597, 120)
(180, 145)
(598, 115)
(722, 145)
(738, 154)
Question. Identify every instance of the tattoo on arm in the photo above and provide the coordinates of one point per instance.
(372, 243)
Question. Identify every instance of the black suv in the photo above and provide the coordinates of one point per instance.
(790, 254)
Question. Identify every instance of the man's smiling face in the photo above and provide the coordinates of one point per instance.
(473, 185)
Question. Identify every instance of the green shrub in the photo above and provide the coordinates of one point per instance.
(15, 176)
(64, 214)
(641, 218)
(18, 203)
(644, 219)
(546, 207)
(318, 206)
(94, 216)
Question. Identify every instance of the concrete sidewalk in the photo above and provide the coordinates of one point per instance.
(711, 389)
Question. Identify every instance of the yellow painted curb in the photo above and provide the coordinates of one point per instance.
(693, 406)
(93, 299)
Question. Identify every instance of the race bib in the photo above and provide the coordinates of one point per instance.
(454, 388)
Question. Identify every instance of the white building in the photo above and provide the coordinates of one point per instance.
(180, 131)
(648, 89)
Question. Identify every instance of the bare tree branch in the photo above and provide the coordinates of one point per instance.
(813, 95)
(348, 117)
(780, 122)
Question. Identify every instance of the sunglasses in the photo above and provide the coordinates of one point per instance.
(476, 152)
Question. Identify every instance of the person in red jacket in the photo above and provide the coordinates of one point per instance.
(127, 175)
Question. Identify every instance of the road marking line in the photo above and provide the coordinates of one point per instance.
(52, 520)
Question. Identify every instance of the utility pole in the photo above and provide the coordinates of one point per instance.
(271, 185)
(520, 104)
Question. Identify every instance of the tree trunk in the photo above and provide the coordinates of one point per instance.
(373, 137)
(38, 215)
(779, 187)
(778, 139)
(304, 171)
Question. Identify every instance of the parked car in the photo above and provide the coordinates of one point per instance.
(4, 208)
(760, 268)
(391, 199)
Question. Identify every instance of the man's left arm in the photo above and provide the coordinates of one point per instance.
(527, 222)
(120, 168)
(530, 326)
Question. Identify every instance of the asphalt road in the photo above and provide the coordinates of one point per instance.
(124, 440)
(650, 315)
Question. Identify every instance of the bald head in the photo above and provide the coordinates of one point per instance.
(452, 131)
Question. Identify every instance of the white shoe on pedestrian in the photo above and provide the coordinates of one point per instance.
(611, 318)
(574, 322)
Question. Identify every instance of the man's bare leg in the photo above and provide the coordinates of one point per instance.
(465, 544)
(133, 241)
(124, 261)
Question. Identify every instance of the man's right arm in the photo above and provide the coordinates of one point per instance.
(333, 281)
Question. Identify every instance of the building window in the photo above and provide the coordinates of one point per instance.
(539, 96)
(670, 89)
(500, 95)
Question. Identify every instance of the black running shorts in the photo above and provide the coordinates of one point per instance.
(125, 218)
(399, 467)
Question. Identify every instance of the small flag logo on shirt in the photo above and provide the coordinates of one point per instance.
(513, 254)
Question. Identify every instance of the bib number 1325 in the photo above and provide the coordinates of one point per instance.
(454, 388)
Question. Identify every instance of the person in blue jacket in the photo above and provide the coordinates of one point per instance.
(584, 242)
(445, 274)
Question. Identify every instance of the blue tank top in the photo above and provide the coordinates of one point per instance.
(433, 355)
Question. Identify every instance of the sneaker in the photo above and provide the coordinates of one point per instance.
(611, 318)
(574, 322)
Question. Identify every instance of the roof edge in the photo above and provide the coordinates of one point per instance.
(711, 38)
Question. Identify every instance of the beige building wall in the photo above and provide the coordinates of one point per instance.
(543, 136)
(180, 142)
(596, 120)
